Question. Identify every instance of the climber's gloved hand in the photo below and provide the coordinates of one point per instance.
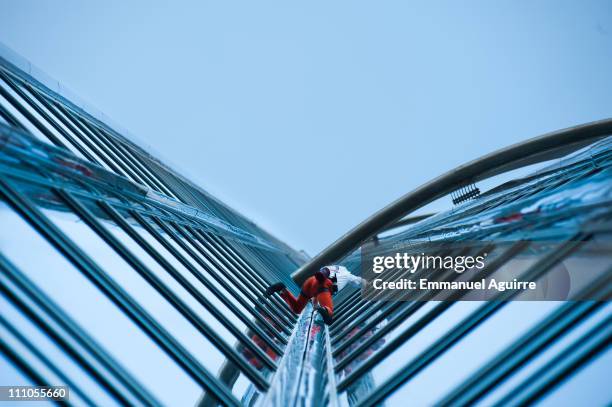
(274, 288)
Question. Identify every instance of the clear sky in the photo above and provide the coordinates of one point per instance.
(309, 116)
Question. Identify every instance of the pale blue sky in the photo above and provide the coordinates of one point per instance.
(309, 117)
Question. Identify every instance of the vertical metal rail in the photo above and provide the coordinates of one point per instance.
(284, 385)
(305, 375)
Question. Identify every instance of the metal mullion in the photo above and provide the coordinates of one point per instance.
(163, 176)
(232, 288)
(44, 326)
(271, 264)
(22, 365)
(572, 358)
(144, 165)
(238, 257)
(135, 165)
(72, 329)
(197, 274)
(133, 160)
(527, 346)
(122, 159)
(213, 256)
(233, 258)
(202, 327)
(127, 228)
(31, 118)
(46, 361)
(12, 120)
(224, 260)
(117, 295)
(332, 397)
(188, 191)
(191, 252)
(279, 306)
(97, 150)
(344, 296)
(66, 118)
(50, 119)
(239, 281)
(50, 116)
(349, 302)
(455, 334)
(119, 150)
(227, 258)
(341, 341)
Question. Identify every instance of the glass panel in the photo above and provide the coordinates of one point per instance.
(10, 375)
(210, 277)
(490, 338)
(544, 357)
(138, 288)
(67, 143)
(186, 273)
(24, 122)
(346, 334)
(50, 350)
(96, 149)
(581, 268)
(588, 387)
(218, 267)
(26, 105)
(174, 285)
(184, 295)
(100, 318)
(240, 383)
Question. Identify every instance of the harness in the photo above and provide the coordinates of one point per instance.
(319, 291)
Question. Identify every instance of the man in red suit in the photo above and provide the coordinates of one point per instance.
(318, 286)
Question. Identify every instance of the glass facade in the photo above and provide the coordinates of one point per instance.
(131, 285)
(121, 278)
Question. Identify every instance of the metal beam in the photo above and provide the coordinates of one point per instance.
(546, 147)
(116, 294)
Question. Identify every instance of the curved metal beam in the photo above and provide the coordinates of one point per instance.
(538, 149)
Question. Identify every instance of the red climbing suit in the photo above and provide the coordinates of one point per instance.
(311, 288)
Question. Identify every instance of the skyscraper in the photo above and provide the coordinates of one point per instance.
(131, 285)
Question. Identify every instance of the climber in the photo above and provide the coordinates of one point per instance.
(321, 286)
(317, 286)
